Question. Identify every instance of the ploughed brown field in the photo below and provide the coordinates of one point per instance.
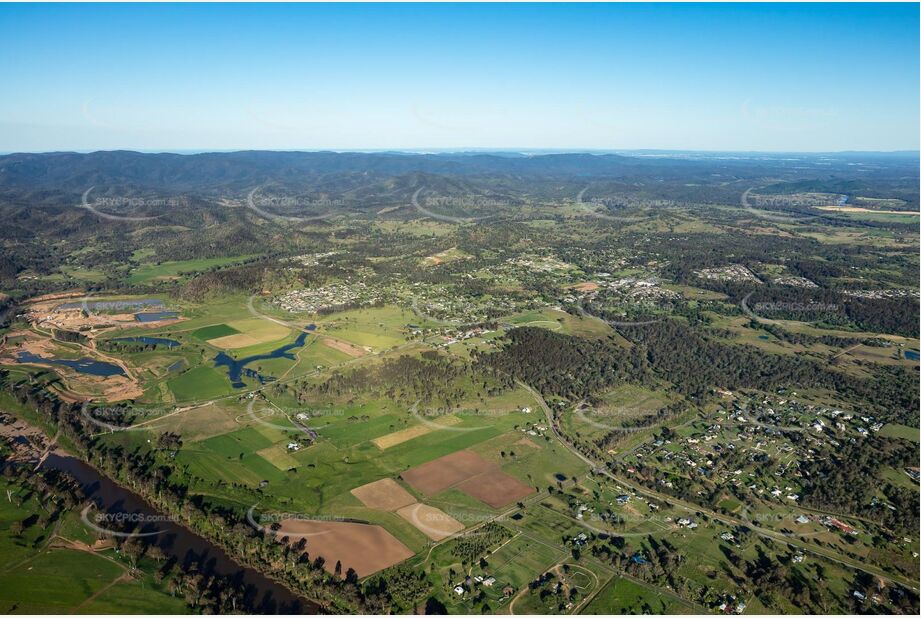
(365, 548)
(495, 489)
(439, 474)
(383, 495)
(471, 474)
(430, 521)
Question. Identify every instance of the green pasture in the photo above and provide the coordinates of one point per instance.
(146, 273)
(627, 596)
(37, 579)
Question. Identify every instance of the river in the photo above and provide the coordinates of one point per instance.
(258, 591)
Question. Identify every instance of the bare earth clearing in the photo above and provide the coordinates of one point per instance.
(469, 473)
(439, 474)
(363, 547)
(383, 495)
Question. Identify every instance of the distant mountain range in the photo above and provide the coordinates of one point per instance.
(370, 181)
(238, 170)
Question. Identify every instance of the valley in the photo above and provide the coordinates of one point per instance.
(665, 392)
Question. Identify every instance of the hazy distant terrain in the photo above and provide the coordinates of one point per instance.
(658, 382)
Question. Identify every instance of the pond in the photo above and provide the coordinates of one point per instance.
(236, 369)
(911, 355)
(85, 365)
(156, 316)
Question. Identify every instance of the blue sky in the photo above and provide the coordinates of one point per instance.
(816, 77)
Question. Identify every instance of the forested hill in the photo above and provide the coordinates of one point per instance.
(247, 168)
(68, 171)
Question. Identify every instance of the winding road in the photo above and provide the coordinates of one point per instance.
(733, 521)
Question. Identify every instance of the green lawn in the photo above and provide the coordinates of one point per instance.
(248, 440)
(905, 432)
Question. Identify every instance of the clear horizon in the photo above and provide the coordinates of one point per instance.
(762, 78)
(448, 150)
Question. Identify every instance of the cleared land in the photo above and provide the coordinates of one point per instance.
(344, 346)
(399, 437)
(365, 548)
(383, 495)
(587, 286)
(868, 210)
(439, 474)
(495, 488)
(471, 474)
(893, 430)
(433, 523)
(174, 270)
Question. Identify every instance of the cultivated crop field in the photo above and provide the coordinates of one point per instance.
(704, 408)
